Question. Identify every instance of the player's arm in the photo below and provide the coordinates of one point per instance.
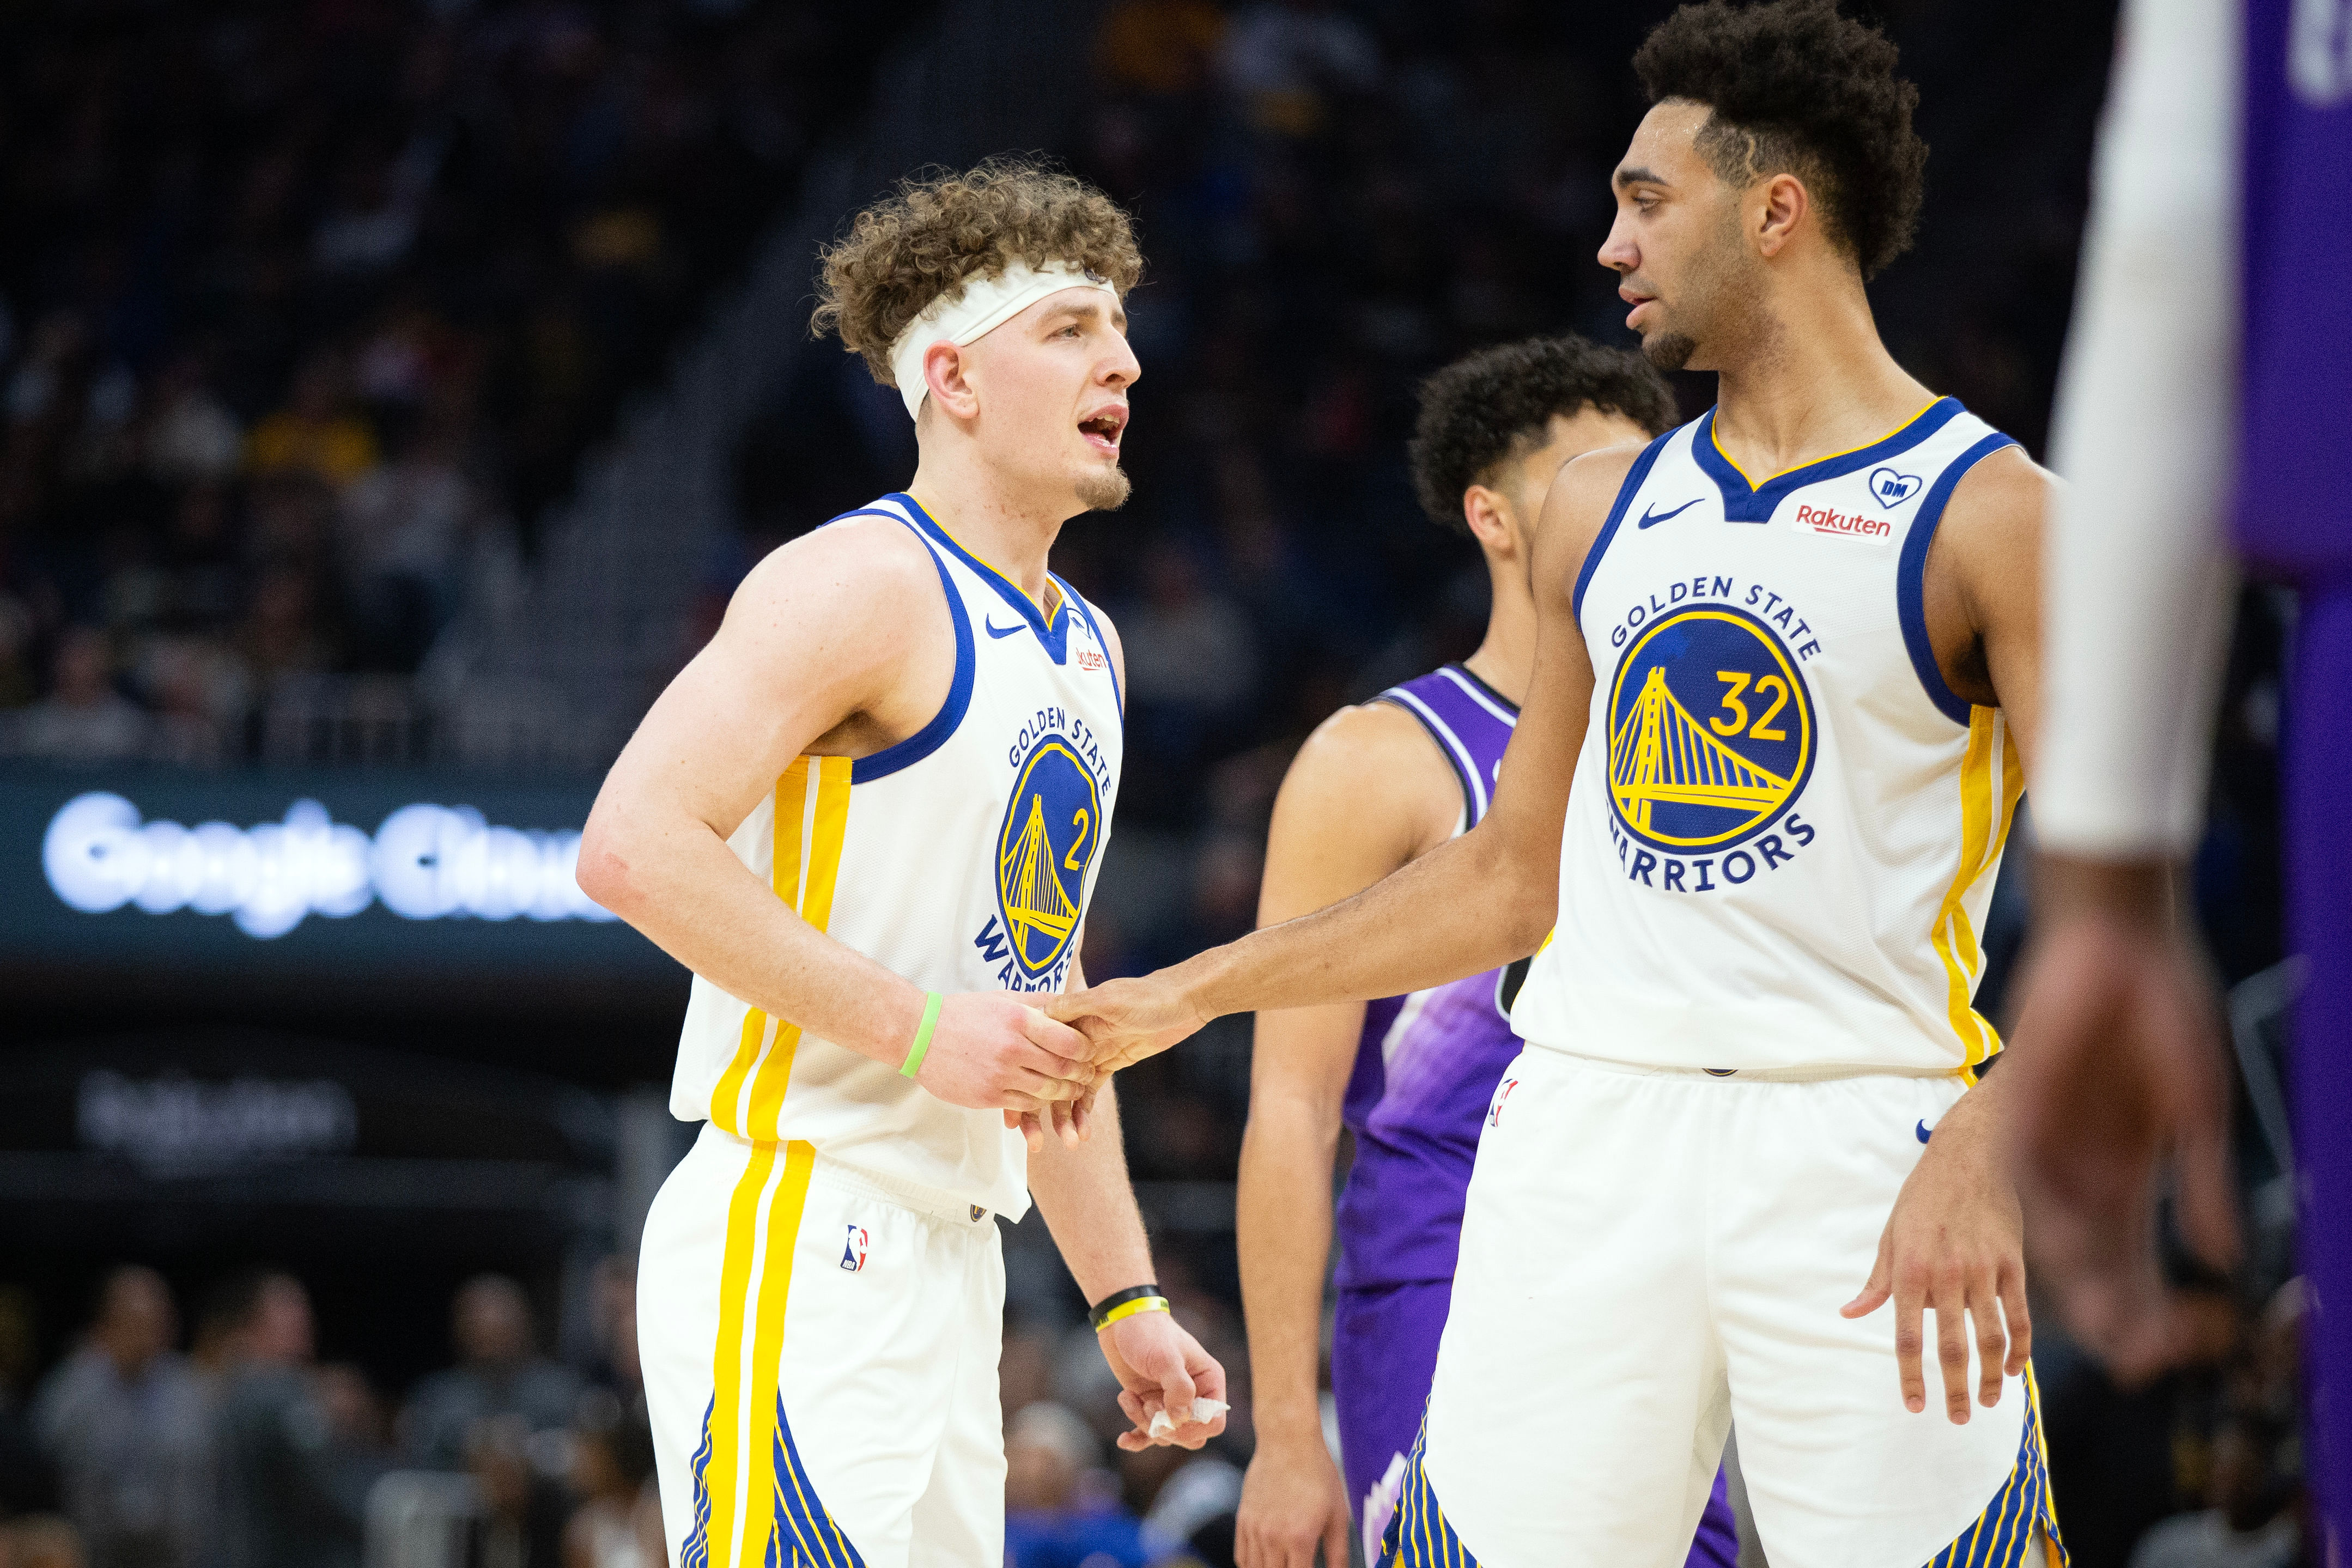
(834, 642)
(1083, 1191)
(1476, 902)
(2121, 1052)
(1366, 794)
(1954, 1244)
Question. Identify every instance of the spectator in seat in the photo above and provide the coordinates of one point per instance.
(84, 718)
(317, 432)
(1059, 1511)
(499, 1374)
(129, 1428)
(612, 1462)
(281, 1504)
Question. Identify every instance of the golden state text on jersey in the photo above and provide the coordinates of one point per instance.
(1053, 827)
(1784, 828)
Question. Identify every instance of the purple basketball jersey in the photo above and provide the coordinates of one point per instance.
(2294, 519)
(1428, 1062)
(2296, 271)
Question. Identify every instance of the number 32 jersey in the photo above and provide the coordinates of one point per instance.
(1784, 826)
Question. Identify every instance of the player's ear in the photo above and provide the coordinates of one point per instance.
(1784, 204)
(1487, 513)
(945, 368)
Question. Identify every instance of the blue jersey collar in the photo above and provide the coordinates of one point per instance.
(1744, 503)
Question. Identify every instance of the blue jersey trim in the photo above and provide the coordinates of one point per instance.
(932, 736)
(1742, 504)
(1633, 477)
(1053, 634)
(1071, 597)
(1911, 577)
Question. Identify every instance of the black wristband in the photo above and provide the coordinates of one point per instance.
(1119, 1299)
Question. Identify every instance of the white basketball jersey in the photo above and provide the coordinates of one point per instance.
(960, 858)
(1784, 826)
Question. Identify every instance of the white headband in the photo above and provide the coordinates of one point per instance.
(985, 304)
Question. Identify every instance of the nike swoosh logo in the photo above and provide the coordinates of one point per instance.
(1651, 518)
(1924, 1133)
(996, 631)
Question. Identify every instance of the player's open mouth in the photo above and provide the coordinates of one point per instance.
(1102, 430)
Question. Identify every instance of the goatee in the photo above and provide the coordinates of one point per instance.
(1669, 350)
(1104, 489)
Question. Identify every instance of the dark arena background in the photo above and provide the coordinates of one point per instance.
(392, 392)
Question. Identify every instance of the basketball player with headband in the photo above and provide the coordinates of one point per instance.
(867, 817)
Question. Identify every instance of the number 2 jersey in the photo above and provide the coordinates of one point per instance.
(1784, 826)
(960, 858)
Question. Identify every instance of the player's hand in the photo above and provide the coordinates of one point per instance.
(1162, 1370)
(1127, 1020)
(1292, 1498)
(1071, 1120)
(1955, 1246)
(2120, 1063)
(994, 1051)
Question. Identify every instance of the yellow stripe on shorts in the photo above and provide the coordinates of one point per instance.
(737, 1506)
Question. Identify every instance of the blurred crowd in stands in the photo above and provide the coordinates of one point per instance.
(245, 1450)
(309, 308)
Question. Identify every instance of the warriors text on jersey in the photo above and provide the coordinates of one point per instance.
(960, 858)
(1784, 828)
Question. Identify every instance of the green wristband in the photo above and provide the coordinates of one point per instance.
(916, 1052)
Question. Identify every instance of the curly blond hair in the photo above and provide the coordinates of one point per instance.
(937, 231)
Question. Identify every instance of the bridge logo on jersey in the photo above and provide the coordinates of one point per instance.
(1710, 731)
(1052, 828)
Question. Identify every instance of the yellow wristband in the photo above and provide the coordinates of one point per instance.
(1129, 1308)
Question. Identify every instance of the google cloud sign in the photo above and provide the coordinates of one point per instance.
(426, 862)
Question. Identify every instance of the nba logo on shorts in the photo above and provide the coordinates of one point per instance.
(1495, 1116)
(853, 1251)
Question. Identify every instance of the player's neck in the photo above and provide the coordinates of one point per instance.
(1506, 659)
(1003, 524)
(1818, 382)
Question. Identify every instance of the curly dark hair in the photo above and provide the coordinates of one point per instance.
(1489, 407)
(940, 229)
(1796, 89)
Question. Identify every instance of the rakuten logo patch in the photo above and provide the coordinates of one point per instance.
(1844, 524)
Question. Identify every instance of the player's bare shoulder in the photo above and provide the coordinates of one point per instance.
(1998, 510)
(858, 605)
(1575, 510)
(1987, 546)
(1371, 773)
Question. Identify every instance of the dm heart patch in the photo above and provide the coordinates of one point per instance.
(1892, 488)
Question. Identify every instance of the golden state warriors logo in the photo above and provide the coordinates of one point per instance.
(1051, 831)
(1710, 731)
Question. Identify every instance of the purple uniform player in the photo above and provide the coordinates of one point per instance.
(1411, 1077)
(2219, 260)
(1429, 1073)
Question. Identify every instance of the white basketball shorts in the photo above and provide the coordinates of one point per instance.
(820, 1356)
(1651, 1255)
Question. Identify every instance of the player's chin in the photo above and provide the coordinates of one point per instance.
(1101, 487)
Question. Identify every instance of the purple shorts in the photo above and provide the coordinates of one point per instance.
(2319, 919)
(1383, 1355)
